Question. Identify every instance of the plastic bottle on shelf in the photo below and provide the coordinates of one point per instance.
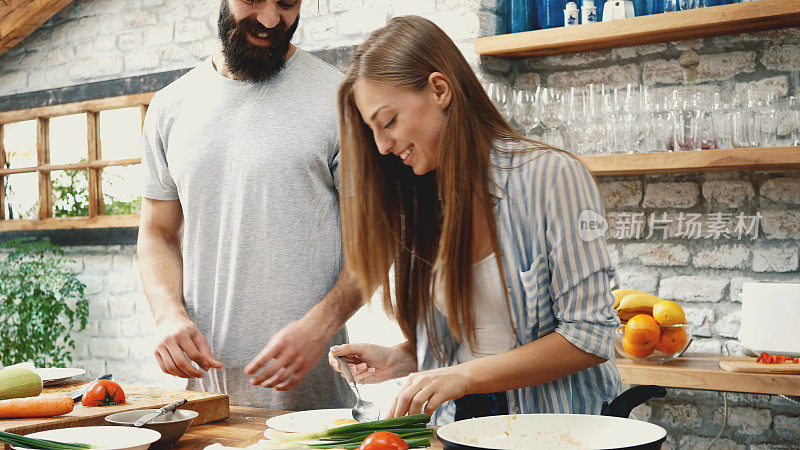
(656, 6)
(570, 14)
(550, 13)
(522, 15)
(618, 9)
(642, 7)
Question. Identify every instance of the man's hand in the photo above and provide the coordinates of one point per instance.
(180, 343)
(288, 356)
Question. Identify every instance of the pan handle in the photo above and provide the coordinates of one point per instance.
(633, 397)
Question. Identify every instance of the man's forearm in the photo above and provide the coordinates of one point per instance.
(338, 305)
(160, 265)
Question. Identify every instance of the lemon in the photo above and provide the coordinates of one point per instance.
(667, 312)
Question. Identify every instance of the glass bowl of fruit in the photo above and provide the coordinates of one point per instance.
(653, 330)
(643, 340)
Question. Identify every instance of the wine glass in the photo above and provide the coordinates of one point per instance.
(553, 116)
(499, 95)
(526, 110)
(789, 115)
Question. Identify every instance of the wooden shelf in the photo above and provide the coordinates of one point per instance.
(666, 27)
(701, 371)
(70, 223)
(723, 160)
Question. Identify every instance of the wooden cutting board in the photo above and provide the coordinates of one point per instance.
(211, 408)
(749, 364)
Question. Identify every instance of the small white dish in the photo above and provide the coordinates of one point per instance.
(108, 438)
(52, 376)
(308, 421)
(171, 425)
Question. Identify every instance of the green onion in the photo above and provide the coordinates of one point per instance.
(44, 444)
(420, 432)
(412, 429)
(376, 425)
(412, 443)
(393, 430)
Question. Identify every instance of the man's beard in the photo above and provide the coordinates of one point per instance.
(245, 60)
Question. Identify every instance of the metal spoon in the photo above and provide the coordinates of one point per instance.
(363, 411)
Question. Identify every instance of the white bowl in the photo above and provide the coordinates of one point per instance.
(109, 437)
(171, 425)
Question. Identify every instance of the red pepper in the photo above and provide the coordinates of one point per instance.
(766, 358)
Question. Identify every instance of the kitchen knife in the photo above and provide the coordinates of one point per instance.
(163, 410)
(78, 393)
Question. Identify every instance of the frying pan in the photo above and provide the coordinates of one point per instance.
(610, 430)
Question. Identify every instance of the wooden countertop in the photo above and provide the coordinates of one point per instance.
(693, 371)
(245, 427)
(701, 371)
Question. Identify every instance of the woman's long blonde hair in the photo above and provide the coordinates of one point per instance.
(392, 217)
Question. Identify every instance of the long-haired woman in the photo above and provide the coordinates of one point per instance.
(501, 277)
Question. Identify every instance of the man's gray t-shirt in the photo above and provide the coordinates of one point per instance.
(255, 167)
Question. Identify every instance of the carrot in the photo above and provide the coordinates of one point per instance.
(41, 406)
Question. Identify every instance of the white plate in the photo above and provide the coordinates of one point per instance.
(110, 438)
(52, 376)
(308, 421)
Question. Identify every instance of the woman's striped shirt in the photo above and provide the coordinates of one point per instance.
(550, 218)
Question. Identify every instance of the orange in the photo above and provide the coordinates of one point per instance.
(636, 350)
(672, 340)
(642, 330)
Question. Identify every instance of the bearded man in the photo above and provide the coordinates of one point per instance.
(239, 242)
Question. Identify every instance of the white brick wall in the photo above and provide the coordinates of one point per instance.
(780, 223)
(692, 288)
(731, 193)
(92, 40)
(706, 277)
(781, 190)
(621, 193)
(723, 257)
(119, 336)
(671, 195)
(775, 259)
(652, 254)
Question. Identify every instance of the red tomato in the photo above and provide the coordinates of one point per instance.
(102, 393)
(383, 440)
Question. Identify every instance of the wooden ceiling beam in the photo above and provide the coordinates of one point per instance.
(19, 18)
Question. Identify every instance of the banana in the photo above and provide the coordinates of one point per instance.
(633, 304)
(619, 294)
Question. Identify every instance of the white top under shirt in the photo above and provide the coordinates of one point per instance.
(493, 331)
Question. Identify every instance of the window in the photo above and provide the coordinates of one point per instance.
(72, 166)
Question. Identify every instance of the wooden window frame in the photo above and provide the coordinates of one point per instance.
(94, 164)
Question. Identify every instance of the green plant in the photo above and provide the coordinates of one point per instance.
(41, 301)
(71, 195)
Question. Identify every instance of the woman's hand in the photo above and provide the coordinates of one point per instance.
(371, 363)
(432, 386)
